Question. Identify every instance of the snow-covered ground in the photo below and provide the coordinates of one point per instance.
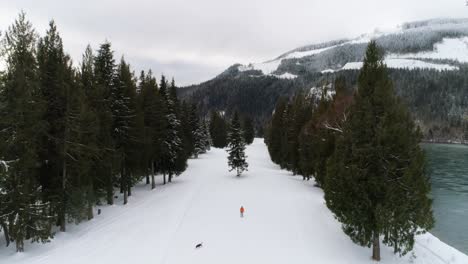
(286, 221)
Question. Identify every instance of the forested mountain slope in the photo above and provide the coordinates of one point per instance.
(427, 61)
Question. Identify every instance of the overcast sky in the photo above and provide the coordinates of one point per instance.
(194, 40)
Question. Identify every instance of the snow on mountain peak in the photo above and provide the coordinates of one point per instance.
(420, 44)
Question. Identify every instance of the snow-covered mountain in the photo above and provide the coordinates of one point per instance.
(440, 44)
(428, 63)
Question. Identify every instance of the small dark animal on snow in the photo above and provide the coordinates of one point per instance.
(199, 245)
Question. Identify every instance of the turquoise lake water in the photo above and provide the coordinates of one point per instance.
(448, 169)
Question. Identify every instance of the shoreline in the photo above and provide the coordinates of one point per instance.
(448, 142)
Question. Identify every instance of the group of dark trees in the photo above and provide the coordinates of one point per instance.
(219, 129)
(301, 134)
(70, 137)
(362, 148)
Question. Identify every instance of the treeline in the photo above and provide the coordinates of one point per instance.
(362, 148)
(71, 137)
(301, 134)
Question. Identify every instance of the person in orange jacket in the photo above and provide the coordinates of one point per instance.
(242, 211)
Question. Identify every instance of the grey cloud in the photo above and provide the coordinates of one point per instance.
(197, 39)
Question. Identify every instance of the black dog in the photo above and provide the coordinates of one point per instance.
(199, 245)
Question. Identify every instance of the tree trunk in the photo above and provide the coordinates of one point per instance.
(129, 185)
(164, 178)
(376, 247)
(90, 210)
(109, 189)
(125, 196)
(5, 231)
(62, 207)
(62, 219)
(153, 184)
(147, 177)
(124, 184)
(19, 245)
(170, 177)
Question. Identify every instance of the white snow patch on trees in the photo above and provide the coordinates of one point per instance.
(301, 54)
(403, 64)
(285, 75)
(449, 48)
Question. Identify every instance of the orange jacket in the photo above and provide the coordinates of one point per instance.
(242, 209)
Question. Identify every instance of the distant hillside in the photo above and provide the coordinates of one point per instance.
(427, 60)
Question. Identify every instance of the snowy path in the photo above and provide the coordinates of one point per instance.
(286, 221)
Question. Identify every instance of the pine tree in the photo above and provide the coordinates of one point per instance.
(199, 135)
(236, 147)
(218, 130)
(207, 136)
(56, 79)
(104, 73)
(376, 183)
(21, 107)
(123, 107)
(88, 192)
(274, 132)
(249, 130)
(172, 145)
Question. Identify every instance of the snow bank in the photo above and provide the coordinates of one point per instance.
(286, 221)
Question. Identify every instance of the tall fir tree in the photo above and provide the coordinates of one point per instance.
(236, 147)
(200, 138)
(124, 110)
(218, 130)
(376, 183)
(207, 136)
(56, 79)
(104, 74)
(153, 110)
(249, 130)
(21, 129)
(274, 132)
(172, 146)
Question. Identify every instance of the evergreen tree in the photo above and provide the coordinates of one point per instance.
(152, 108)
(21, 107)
(274, 135)
(236, 147)
(104, 74)
(173, 159)
(376, 183)
(123, 106)
(206, 135)
(218, 130)
(188, 119)
(199, 135)
(249, 130)
(88, 193)
(56, 79)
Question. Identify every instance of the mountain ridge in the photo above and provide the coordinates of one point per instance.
(427, 59)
